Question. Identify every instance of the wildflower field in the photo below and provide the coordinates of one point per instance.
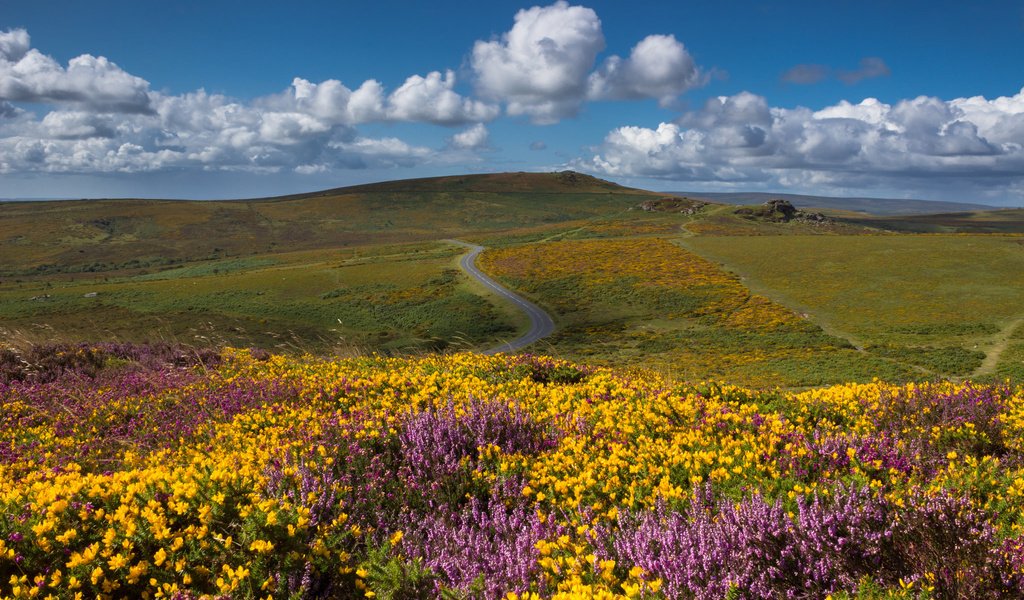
(647, 301)
(156, 471)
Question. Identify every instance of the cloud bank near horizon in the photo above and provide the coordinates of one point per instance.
(91, 117)
(740, 139)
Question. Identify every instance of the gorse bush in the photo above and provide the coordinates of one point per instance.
(468, 476)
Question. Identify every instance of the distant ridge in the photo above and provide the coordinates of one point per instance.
(519, 181)
(871, 206)
(562, 182)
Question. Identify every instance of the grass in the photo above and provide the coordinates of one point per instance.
(366, 268)
(935, 301)
(112, 235)
(989, 221)
(384, 298)
(650, 303)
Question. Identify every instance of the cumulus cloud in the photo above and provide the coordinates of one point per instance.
(364, 153)
(974, 143)
(431, 99)
(870, 67)
(538, 145)
(26, 75)
(331, 102)
(540, 67)
(543, 67)
(102, 119)
(658, 67)
(473, 138)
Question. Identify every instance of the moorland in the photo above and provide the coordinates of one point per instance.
(631, 277)
(294, 397)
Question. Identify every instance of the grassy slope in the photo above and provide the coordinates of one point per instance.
(987, 221)
(931, 300)
(379, 298)
(106, 235)
(364, 268)
(282, 270)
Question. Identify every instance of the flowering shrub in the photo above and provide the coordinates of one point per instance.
(471, 476)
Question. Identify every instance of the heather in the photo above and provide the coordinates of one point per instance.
(154, 471)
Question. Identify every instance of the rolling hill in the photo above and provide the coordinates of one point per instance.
(630, 277)
(115, 234)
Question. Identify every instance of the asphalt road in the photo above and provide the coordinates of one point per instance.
(541, 324)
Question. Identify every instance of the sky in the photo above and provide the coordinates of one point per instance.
(233, 99)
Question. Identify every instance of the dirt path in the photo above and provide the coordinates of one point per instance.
(999, 343)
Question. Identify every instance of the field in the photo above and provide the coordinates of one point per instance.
(408, 297)
(152, 472)
(97, 236)
(368, 269)
(934, 299)
(650, 303)
(285, 398)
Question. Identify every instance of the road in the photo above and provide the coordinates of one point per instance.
(541, 324)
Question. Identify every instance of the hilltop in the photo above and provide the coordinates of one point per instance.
(115, 234)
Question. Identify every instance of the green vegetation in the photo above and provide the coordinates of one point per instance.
(107, 235)
(649, 303)
(989, 221)
(937, 301)
(380, 298)
(367, 269)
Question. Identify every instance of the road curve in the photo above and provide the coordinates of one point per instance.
(541, 324)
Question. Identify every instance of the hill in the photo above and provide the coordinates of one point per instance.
(110, 235)
(767, 296)
(871, 206)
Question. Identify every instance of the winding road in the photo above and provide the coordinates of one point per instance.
(541, 324)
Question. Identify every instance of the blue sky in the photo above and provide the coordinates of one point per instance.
(239, 99)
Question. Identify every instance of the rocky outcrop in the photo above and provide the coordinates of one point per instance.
(675, 204)
(782, 211)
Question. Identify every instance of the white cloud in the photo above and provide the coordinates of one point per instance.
(76, 125)
(312, 169)
(540, 67)
(471, 139)
(26, 75)
(543, 67)
(332, 102)
(365, 153)
(14, 44)
(967, 144)
(658, 67)
(430, 99)
(102, 119)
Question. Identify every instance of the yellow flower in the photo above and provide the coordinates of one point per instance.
(261, 546)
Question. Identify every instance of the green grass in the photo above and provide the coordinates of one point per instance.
(902, 287)
(1011, 363)
(54, 238)
(988, 221)
(216, 267)
(934, 301)
(366, 268)
(687, 331)
(379, 298)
